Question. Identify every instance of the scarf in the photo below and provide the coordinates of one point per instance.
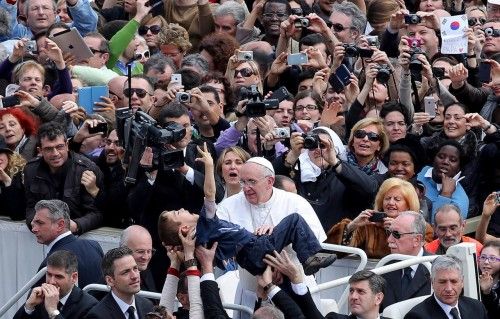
(370, 168)
(309, 171)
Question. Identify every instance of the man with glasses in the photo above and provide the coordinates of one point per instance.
(449, 229)
(138, 239)
(57, 174)
(406, 236)
(348, 22)
(140, 93)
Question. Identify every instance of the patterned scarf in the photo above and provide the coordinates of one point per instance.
(369, 169)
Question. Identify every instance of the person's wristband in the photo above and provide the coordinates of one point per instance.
(337, 164)
(487, 128)
(173, 272)
(268, 287)
(190, 263)
(193, 272)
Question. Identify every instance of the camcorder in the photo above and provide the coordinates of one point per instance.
(256, 106)
(138, 131)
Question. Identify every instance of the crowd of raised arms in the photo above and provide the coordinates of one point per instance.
(241, 135)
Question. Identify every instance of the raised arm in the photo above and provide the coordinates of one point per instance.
(489, 207)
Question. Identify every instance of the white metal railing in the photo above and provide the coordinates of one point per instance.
(392, 257)
(155, 295)
(342, 304)
(39, 275)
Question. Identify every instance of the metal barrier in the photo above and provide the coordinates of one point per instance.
(39, 275)
(155, 295)
(342, 304)
(399, 257)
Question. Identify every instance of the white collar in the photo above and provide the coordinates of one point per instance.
(65, 298)
(52, 243)
(447, 308)
(378, 317)
(122, 304)
(457, 178)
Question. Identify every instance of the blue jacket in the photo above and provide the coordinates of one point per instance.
(84, 20)
(459, 197)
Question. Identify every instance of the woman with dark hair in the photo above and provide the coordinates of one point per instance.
(19, 131)
(220, 83)
(396, 120)
(489, 280)
(441, 180)
(217, 48)
(12, 201)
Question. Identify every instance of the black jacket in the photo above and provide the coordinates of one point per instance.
(77, 305)
(429, 308)
(39, 185)
(12, 202)
(107, 308)
(212, 304)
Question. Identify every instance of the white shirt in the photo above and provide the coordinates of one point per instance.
(124, 306)
(52, 243)
(447, 308)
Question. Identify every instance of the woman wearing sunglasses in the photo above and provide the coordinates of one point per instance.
(243, 73)
(149, 30)
(334, 188)
(489, 265)
(367, 144)
(368, 230)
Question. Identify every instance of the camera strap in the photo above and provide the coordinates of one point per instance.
(258, 142)
(418, 105)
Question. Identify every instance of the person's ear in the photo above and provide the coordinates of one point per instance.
(46, 90)
(379, 297)
(105, 57)
(74, 277)
(109, 281)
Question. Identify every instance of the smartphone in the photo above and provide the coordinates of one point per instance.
(89, 95)
(438, 72)
(377, 217)
(99, 128)
(484, 72)
(340, 79)
(282, 132)
(280, 94)
(297, 58)
(430, 105)
(10, 101)
(176, 78)
(245, 56)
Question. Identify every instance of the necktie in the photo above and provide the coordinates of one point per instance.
(454, 313)
(405, 281)
(59, 306)
(131, 312)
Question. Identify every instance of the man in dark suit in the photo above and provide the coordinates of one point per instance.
(138, 239)
(407, 237)
(51, 227)
(58, 297)
(446, 302)
(122, 275)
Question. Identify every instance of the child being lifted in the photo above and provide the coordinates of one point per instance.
(234, 240)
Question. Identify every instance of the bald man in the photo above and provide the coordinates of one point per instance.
(138, 239)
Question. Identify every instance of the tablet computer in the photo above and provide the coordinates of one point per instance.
(70, 41)
(89, 95)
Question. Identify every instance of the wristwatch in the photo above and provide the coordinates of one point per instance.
(54, 314)
(190, 263)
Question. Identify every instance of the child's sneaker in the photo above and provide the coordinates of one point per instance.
(318, 261)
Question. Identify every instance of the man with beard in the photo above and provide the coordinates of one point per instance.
(449, 229)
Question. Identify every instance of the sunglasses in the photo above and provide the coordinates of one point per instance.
(397, 234)
(490, 32)
(374, 137)
(141, 93)
(245, 72)
(475, 21)
(94, 51)
(337, 27)
(142, 55)
(155, 29)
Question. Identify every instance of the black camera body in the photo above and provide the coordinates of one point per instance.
(311, 141)
(301, 22)
(412, 19)
(383, 74)
(256, 107)
(415, 64)
(351, 50)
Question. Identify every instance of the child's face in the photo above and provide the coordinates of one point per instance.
(183, 217)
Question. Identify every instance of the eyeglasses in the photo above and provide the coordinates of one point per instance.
(142, 55)
(337, 27)
(59, 148)
(245, 72)
(475, 21)
(155, 29)
(374, 137)
(141, 93)
(94, 51)
(490, 32)
(250, 182)
(396, 234)
(491, 259)
(279, 15)
(145, 251)
(309, 107)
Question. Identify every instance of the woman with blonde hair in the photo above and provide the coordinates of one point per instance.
(243, 73)
(173, 41)
(368, 230)
(150, 29)
(12, 201)
(228, 167)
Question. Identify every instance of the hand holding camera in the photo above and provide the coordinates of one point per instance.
(19, 50)
(397, 20)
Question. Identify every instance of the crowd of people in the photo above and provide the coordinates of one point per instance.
(231, 129)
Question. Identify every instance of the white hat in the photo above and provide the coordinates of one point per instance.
(263, 162)
(496, 2)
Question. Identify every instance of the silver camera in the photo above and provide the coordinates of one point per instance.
(245, 56)
(301, 22)
(31, 47)
(183, 97)
(282, 132)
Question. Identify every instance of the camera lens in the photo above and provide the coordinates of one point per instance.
(304, 22)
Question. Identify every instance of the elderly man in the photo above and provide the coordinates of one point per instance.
(446, 302)
(122, 275)
(138, 239)
(227, 16)
(407, 237)
(50, 226)
(260, 206)
(348, 22)
(58, 297)
(449, 228)
(493, 9)
(41, 14)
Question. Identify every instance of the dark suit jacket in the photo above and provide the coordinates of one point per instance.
(89, 254)
(212, 304)
(77, 305)
(147, 281)
(107, 308)
(420, 286)
(429, 308)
